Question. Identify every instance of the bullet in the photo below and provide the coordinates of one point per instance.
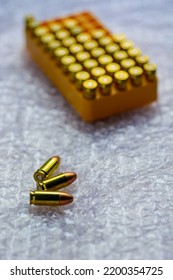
(97, 52)
(90, 87)
(83, 37)
(66, 61)
(111, 48)
(91, 44)
(28, 19)
(105, 59)
(76, 30)
(111, 68)
(30, 22)
(55, 26)
(68, 41)
(58, 182)
(70, 22)
(73, 69)
(80, 77)
(46, 38)
(47, 169)
(141, 60)
(120, 55)
(59, 53)
(105, 41)
(119, 37)
(98, 33)
(126, 44)
(121, 78)
(75, 48)
(105, 83)
(90, 63)
(50, 198)
(127, 63)
(97, 72)
(134, 52)
(136, 73)
(53, 45)
(150, 71)
(82, 56)
(61, 34)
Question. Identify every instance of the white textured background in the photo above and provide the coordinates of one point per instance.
(123, 207)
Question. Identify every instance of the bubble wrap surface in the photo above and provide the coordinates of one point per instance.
(123, 206)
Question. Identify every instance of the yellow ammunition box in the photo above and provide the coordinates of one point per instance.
(85, 96)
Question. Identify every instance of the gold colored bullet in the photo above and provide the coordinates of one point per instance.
(61, 34)
(120, 55)
(40, 30)
(97, 52)
(73, 69)
(50, 198)
(119, 37)
(105, 59)
(126, 44)
(76, 30)
(134, 52)
(75, 48)
(136, 73)
(82, 56)
(46, 38)
(111, 48)
(111, 68)
(47, 169)
(29, 18)
(90, 63)
(57, 182)
(91, 44)
(66, 61)
(68, 41)
(98, 33)
(105, 41)
(53, 45)
(83, 37)
(70, 23)
(105, 83)
(97, 72)
(127, 63)
(59, 53)
(55, 26)
(142, 59)
(121, 78)
(89, 87)
(150, 71)
(80, 77)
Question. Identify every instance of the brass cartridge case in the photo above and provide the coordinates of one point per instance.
(105, 83)
(80, 77)
(120, 55)
(82, 56)
(105, 59)
(97, 52)
(126, 44)
(76, 30)
(111, 68)
(53, 45)
(57, 182)
(136, 73)
(47, 169)
(46, 38)
(105, 41)
(91, 44)
(97, 72)
(59, 53)
(141, 60)
(73, 69)
(75, 48)
(111, 48)
(66, 61)
(90, 63)
(70, 23)
(89, 87)
(121, 78)
(119, 37)
(55, 26)
(83, 37)
(127, 63)
(150, 71)
(61, 34)
(98, 33)
(134, 52)
(50, 198)
(40, 30)
(68, 41)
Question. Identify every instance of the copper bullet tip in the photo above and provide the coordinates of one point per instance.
(65, 198)
(70, 177)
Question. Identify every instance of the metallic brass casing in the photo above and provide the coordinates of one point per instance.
(90, 63)
(75, 48)
(119, 37)
(80, 77)
(89, 87)
(105, 83)
(127, 63)
(120, 55)
(66, 61)
(50, 198)
(47, 169)
(111, 68)
(98, 33)
(40, 30)
(105, 40)
(83, 37)
(97, 72)
(46, 38)
(105, 59)
(134, 52)
(76, 30)
(111, 48)
(68, 41)
(55, 26)
(91, 44)
(126, 44)
(97, 52)
(61, 34)
(121, 78)
(142, 59)
(136, 73)
(150, 71)
(70, 23)
(57, 182)
(73, 69)
(53, 45)
(59, 53)
(82, 56)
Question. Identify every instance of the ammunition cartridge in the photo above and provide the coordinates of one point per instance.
(111, 68)
(59, 53)
(141, 60)
(97, 72)
(118, 38)
(40, 30)
(111, 48)
(105, 59)
(105, 83)
(120, 55)
(82, 56)
(136, 73)
(55, 26)
(98, 33)
(89, 87)
(150, 71)
(46, 38)
(50, 198)
(134, 52)
(76, 30)
(97, 52)
(75, 48)
(83, 37)
(91, 44)
(121, 78)
(68, 41)
(47, 169)
(127, 63)
(58, 182)
(90, 63)
(61, 34)
(80, 77)
(126, 44)
(53, 45)
(66, 61)
(73, 69)
(70, 23)
(105, 41)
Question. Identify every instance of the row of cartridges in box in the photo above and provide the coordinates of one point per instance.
(47, 188)
(95, 61)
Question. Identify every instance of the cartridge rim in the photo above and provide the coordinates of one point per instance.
(68, 41)
(67, 60)
(70, 22)
(133, 52)
(135, 71)
(60, 52)
(150, 67)
(121, 75)
(96, 52)
(82, 76)
(40, 30)
(39, 176)
(142, 59)
(127, 44)
(83, 37)
(53, 45)
(105, 80)
(91, 44)
(76, 30)
(103, 41)
(127, 63)
(46, 38)
(98, 33)
(120, 55)
(73, 69)
(105, 59)
(97, 72)
(119, 37)
(82, 56)
(89, 87)
(111, 48)
(90, 63)
(54, 27)
(61, 34)
(75, 48)
(113, 67)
